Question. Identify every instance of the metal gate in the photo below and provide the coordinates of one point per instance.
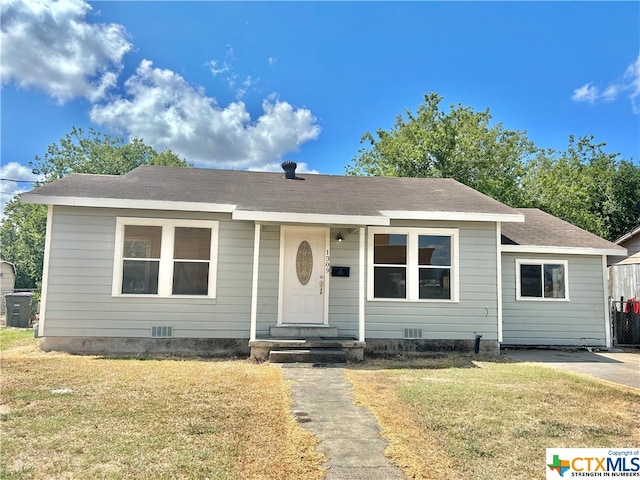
(625, 321)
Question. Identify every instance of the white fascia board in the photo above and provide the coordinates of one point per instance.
(127, 203)
(459, 216)
(560, 250)
(318, 218)
(628, 235)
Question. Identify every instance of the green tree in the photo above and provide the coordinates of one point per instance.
(22, 232)
(94, 152)
(460, 143)
(586, 186)
(22, 235)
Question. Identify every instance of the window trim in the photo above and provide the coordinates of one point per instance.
(412, 265)
(165, 273)
(542, 262)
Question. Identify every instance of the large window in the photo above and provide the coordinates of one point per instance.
(413, 264)
(165, 257)
(541, 280)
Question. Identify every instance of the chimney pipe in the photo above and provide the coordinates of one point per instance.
(289, 168)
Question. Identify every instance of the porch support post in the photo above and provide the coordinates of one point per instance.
(254, 284)
(362, 288)
(499, 277)
(607, 306)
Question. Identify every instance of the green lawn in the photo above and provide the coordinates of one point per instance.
(453, 417)
(87, 417)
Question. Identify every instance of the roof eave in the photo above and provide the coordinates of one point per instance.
(550, 249)
(127, 203)
(315, 218)
(628, 235)
(458, 216)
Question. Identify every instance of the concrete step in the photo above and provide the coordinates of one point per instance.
(310, 355)
(302, 331)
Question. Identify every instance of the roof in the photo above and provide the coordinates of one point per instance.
(630, 260)
(632, 233)
(13, 267)
(544, 233)
(266, 196)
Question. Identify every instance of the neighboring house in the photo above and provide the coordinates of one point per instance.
(7, 283)
(624, 272)
(209, 261)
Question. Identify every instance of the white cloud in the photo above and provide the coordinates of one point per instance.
(610, 93)
(632, 80)
(50, 46)
(629, 82)
(585, 93)
(227, 72)
(163, 109)
(216, 68)
(9, 187)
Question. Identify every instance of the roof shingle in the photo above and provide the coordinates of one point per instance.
(271, 192)
(541, 229)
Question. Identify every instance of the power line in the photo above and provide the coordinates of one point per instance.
(14, 180)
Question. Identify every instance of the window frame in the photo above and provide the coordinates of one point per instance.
(541, 262)
(166, 261)
(413, 267)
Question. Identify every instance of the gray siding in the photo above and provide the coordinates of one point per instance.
(80, 303)
(632, 245)
(344, 291)
(579, 321)
(268, 278)
(477, 311)
(79, 300)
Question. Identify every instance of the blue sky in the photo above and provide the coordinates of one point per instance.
(248, 85)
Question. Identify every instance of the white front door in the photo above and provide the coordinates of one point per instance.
(304, 277)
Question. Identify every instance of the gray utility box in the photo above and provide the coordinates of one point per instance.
(19, 309)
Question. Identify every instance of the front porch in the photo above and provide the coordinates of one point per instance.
(304, 326)
(306, 344)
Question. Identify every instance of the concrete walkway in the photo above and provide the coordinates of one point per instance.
(349, 435)
(617, 367)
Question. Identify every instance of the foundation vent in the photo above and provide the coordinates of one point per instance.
(161, 332)
(412, 333)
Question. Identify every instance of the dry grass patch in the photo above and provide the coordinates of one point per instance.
(478, 420)
(66, 416)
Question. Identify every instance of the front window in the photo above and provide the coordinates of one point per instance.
(141, 259)
(412, 263)
(165, 257)
(541, 280)
(434, 260)
(191, 253)
(390, 266)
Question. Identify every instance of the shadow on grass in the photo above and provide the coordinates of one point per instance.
(431, 361)
(558, 355)
(435, 360)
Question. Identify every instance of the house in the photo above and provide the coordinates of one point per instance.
(624, 272)
(559, 275)
(7, 283)
(206, 261)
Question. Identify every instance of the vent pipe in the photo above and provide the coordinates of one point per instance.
(289, 168)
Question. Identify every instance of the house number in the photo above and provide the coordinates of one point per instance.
(327, 262)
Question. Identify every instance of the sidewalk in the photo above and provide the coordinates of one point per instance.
(349, 435)
(617, 367)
